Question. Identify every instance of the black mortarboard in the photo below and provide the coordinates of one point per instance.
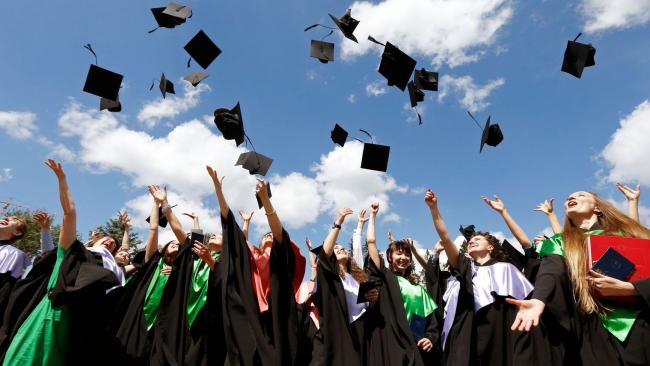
(202, 49)
(162, 220)
(230, 123)
(339, 135)
(323, 51)
(364, 288)
(346, 24)
(111, 105)
(254, 162)
(102, 83)
(415, 94)
(196, 77)
(492, 134)
(577, 56)
(166, 86)
(178, 11)
(467, 231)
(165, 20)
(316, 250)
(375, 157)
(268, 191)
(396, 66)
(426, 80)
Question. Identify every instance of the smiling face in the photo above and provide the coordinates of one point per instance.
(580, 204)
(341, 254)
(400, 257)
(12, 228)
(479, 246)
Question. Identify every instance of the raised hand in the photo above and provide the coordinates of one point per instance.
(390, 236)
(191, 215)
(430, 199)
(160, 195)
(342, 214)
(528, 315)
(630, 194)
(538, 239)
(245, 215)
(43, 219)
(546, 206)
(374, 208)
(218, 182)
(496, 203)
(308, 243)
(125, 220)
(438, 248)
(260, 189)
(56, 168)
(362, 216)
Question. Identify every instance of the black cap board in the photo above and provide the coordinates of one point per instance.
(426, 80)
(103, 83)
(316, 250)
(323, 51)
(165, 20)
(491, 135)
(268, 191)
(230, 123)
(577, 56)
(178, 11)
(467, 231)
(396, 66)
(166, 86)
(202, 49)
(111, 105)
(364, 288)
(254, 162)
(339, 135)
(415, 95)
(162, 220)
(196, 77)
(375, 157)
(346, 24)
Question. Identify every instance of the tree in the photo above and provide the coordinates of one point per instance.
(115, 229)
(30, 243)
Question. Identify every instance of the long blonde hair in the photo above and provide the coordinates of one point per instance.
(613, 222)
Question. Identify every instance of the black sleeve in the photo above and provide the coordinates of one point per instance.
(515, 257)
(553, 288)
(643, 288)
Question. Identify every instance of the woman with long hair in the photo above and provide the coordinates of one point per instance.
(605, 319)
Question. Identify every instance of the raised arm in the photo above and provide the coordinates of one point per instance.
(152, 239)
(247, 220)
(547, 208)
(498, 206)
(632, 196)
(223, 205)
(416, 254)
(447, 243)
(160, 195)
(44, 220)
(126, 223)
(68, 233)
(371, 235)
(195, 220)
(269, 211)
(312, 260)
(357, 245)
(330, 241)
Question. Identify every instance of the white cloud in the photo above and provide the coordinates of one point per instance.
(628, 151)
(644, 211)
(5, 175)
(57, 151)
(352, 98)
(296, 199)
(18, 125)
(376, 88)
(473, 96)
(452, 32)
(605, 14)
(171, 106)
(311, 75)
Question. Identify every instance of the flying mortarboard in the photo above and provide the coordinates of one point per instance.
(254, 162)
(231, 123)
(467, 231)
(415, 95)
(396, 66)
(196, 77)
(178, 11)
(268, 191)
(346, 24)
(491, 134)
(323, 51)
(374, 156)
(171, 15)
(577, 56)
(166, 86)
(339, 135)
(426, 80)
(162, 220)
(101, 82)
(202, 50)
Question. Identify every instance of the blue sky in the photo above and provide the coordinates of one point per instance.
(500, 58)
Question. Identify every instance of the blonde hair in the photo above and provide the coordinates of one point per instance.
(613, 222)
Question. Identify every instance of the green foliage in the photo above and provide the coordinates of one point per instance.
(115, 229)
(30, 243)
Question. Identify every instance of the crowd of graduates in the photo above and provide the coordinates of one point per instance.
(222, 300)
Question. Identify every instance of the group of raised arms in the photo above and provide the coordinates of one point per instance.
(220, 300)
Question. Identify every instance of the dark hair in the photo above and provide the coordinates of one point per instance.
(117, 247)
(22, 228)
(355, 271)
(163, 251)
(498, 253)
(402, 246)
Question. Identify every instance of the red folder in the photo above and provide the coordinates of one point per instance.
(635, 250)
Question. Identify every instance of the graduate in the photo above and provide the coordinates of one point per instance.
(54, 325)
(476, 329)
(310, 338)
(270, 338)
(590, 318)
(13, 261)
(405, 331)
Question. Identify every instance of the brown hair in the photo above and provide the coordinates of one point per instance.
(498, 253)
(354, 270)
(614, 222)
(163, 251)
(401, 246)
(22, 228)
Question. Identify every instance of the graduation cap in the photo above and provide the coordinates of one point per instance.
(103, 83)
(111, 105)
(467, 232)
(577, 56)
(196, 77)
(165, 86)
(268, 191)
(396, 66)
(231, 123)
(415, 94)
(162, 220)
(346, 24)
(374, 157)
(339, 135)
(426, 80)
(323, 51)
(491, 135)
(178, 11)
(202, 50)
(171, 15)
(254, 162)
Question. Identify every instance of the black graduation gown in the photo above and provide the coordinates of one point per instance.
(310, 339)
(253, 338)
(7, 282)
(635, 350)
(436, 282)
(342, 341)
(216, 341)
(528, 262)
(389, 338)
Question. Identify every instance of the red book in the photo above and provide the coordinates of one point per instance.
(635, 250)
